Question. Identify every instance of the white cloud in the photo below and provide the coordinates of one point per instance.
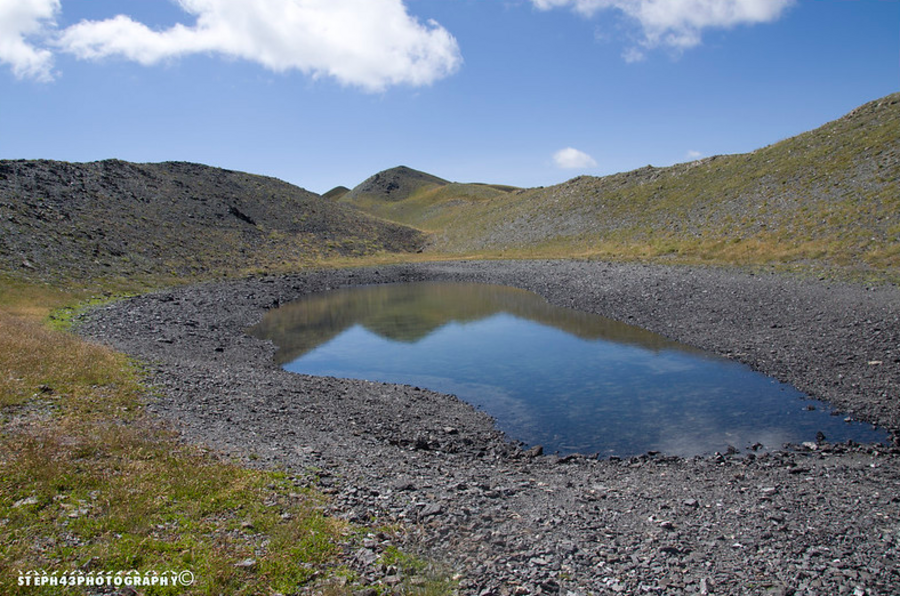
(573, 159)
(20, 22)
(694, 155)
(677, 24)
(371, 44)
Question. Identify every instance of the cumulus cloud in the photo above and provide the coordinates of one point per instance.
(371, 44)
(677, 24)
(573, 159)
(692, 154)
(21, 22)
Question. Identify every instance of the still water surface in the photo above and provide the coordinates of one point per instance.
(564, 379)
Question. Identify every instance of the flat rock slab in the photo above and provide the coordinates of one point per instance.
(511, 521)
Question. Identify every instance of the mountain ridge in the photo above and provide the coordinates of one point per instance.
(828, 196)
(116, 218)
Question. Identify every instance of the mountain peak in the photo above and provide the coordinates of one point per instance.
(395, 184)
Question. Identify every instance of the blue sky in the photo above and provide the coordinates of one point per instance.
(524, 92)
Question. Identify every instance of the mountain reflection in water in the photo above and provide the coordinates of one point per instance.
(565, 379)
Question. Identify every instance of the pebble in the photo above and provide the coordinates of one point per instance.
(508, 518)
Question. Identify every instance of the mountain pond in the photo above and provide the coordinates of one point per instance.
(570, 381)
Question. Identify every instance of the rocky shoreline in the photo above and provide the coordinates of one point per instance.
(821, 519)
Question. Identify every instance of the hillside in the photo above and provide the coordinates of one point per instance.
(433, 209)
(114, 218)
(829, 197)
(336, 193)
(421, 200)
(826, 197)
(830, 193)
(391, 185)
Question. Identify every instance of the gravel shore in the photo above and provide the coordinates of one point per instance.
(821, 519)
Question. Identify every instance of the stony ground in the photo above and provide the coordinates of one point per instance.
(822, 519)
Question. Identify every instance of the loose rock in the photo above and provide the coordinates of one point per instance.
(796, 521)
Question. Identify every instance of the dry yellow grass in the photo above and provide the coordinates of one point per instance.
(37, 361)
(90, 483)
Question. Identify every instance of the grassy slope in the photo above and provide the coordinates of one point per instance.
(89, 482)
(431, 207)
(829, 197)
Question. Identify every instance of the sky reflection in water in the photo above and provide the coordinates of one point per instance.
(567, 380)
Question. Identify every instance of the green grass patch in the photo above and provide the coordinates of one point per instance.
(91, 484)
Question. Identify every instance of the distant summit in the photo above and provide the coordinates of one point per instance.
(395, 184)
(336, 193)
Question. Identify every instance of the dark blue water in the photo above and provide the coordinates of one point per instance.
(566, 380)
